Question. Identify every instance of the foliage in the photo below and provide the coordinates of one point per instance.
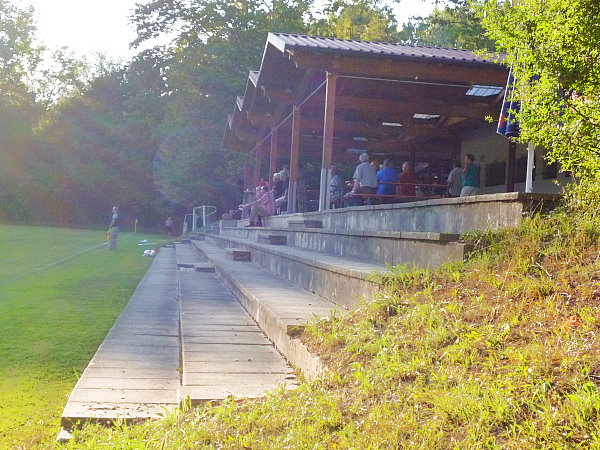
(452, 24)
(367, 20)
(553, 48)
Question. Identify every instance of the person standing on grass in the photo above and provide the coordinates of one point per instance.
(113, 229)
(169, 226)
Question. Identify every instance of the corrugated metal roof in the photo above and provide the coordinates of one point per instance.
(293, 41)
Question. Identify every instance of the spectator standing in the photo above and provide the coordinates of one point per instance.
(365, 179)
(455, 180)
(470, 177)
(408, 181)
(387, 175)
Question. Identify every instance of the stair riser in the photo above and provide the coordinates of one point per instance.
(418, 252)
(345, 290)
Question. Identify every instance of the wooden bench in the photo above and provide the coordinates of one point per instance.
(238, 254)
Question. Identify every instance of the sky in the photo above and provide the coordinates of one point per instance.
(88, 27)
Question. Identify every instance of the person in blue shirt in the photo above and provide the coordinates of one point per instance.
(387, 175)
(470, 177)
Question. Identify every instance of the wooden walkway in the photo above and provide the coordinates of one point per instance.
(182, 334)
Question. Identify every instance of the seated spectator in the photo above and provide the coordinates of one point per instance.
(336, 193)
(387, 175)
(281, 202)
(277, 185)
(408, 181)
(262, 207)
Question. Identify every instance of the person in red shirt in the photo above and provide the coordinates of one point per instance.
(408, 181)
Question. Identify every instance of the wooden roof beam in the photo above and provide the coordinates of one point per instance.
(407, 69)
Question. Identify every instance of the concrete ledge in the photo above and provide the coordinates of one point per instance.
(279, 316)
(422, 249)
(272, 239)
(446, 215)
(228, 223)
(305, 224)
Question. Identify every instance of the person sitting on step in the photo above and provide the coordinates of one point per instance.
(264, 206)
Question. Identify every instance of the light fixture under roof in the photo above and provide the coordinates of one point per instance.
(426, 116)
(360, 139)
(391, 124)
(484, 91)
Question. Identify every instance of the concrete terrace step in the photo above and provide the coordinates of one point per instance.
(279, 307)
(185, 255)
(134, 375)
(423, 249)
(224, 352)
(341, 280)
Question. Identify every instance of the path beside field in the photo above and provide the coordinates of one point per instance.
(182, 335)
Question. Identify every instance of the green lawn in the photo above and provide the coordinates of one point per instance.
(60, 292)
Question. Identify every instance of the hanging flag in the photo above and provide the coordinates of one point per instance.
(507, 124)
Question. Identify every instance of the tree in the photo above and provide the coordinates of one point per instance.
(216, 44)
(369, 20)
(553, 47)
(455, 24)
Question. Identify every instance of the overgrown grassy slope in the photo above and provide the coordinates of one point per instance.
(498, 352)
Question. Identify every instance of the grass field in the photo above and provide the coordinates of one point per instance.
(60, 292)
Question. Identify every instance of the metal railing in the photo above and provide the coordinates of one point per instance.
(203, 212)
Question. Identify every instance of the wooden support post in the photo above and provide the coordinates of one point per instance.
(327, 141)
(294, 157)
(248, 184)
(273, 156)
(510, 166)
(257, 164)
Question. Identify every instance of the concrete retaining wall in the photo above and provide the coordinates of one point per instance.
(446, 215)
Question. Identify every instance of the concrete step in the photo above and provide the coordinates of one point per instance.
(134, 375)
(280, 307)
(421, 249)
(185, 255)
(340, 280)
(223, 350)
(273, 239)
